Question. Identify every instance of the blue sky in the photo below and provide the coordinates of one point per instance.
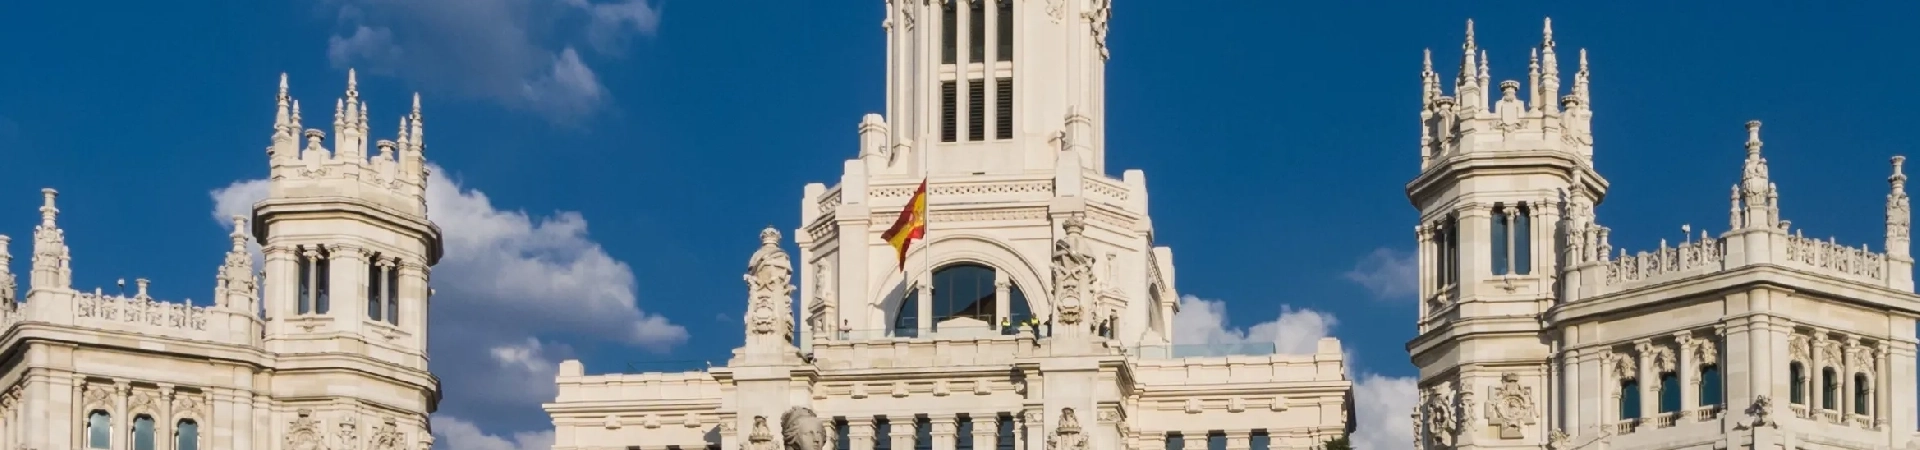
(1276, 138)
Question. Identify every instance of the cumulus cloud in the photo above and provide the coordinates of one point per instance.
(1381, 406)
(507, 282)
(1381, 403)
(458, 434)
(1389, 274)
(517, 53)
(1296, 331)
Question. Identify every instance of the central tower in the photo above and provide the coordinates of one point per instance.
(981, 86)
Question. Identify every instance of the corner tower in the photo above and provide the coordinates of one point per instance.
(348, 245)
(982, 86)
(1503, 179)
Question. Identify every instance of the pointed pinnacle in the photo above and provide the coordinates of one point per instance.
(1426, 60)
(283, 84)
(1547, 33)
(353, 81)
(1583, 60)
(416, 104)
(1469, 45)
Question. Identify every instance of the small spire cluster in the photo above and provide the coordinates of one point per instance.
(51, 260)
(1756, 200)
(1472, 108)
(398, 165)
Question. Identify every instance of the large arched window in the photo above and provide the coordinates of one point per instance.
(1798, 373)
(1829, 389)
(1860, 393)
(186, 435)
(962, 291)
(1629, 399)
(99, 430)
(1669, 392)
(143, 432)
(1710, 385)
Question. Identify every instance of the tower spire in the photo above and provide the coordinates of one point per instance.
(1899, 214)
(282, 117)
(50, 258)
(1756, 189)
(1549, 67)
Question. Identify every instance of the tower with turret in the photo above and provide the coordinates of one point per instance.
(324, 347)
(1535, 331)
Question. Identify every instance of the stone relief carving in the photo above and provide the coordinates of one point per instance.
(303, 432)
(1762, 412)
(387, 436)
(1623, 366)
(1066, 434)
(803, 430)
(1703, 351)
(769, 285)
(98, 395)
(1438, 411)
(760, 438)
(1659, 358)
(1558, 440)
(349, 433)
(1097, 16)
(1055, 9)
(821, 316)
(140, 401)
(1512, 407)
(1072, 272)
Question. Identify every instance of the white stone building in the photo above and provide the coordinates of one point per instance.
(1535, 331)
(999, 106)
(324, 348)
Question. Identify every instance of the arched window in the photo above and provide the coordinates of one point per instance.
(186, 435)
(1860, 393)
(1829, 389)
(966, 291)
(99, 430)
(1798, 373)
(143, 432)
(1669, 392)
(1710, 390)
(1629, 399)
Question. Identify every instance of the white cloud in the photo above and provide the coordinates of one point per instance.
(1381, 403)
(1381, 407)
(1296, 331)
(518, 53)
(506, 281)
(1389, 274)
(455, 434)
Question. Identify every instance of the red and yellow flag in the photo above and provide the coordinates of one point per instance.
(911, 225)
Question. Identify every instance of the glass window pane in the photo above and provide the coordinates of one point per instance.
(99, 430)
(186, 436)
(143, 433)
(1669, 392)
(1499, 240)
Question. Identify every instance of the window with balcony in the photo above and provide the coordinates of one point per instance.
(1798, 373)
(964, 291)
(1629, 399)
(1710, 390)
(1669, 392)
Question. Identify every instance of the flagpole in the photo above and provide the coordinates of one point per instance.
(926, 262)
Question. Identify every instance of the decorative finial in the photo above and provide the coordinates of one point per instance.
(239, 234)
(770, 236)
(1753, 137)
(1546, 33)
(1509, 86)
(283, 85)
(1468, 46)
(353, 83)
(47, 209)
(416, 104)
(1426, 61)
(1899, 178)
(1583, 60)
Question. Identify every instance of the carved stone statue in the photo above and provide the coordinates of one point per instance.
(1762, 412)
(1072, 272)
(760, 438)
(803, 430)
(1440, 422)
(1512, 407)
(1066, 434)
(769, 286)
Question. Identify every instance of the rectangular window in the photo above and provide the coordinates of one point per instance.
(374, 305)
(1523, 241)
(882, 434)
(1260, 440)
(1003, 108)
(977, 110)
(1176, 441)
(1004, 436)
(1499, 240)
(977, 33)
(842, 434)
(922, 433)
(948, 131)
(949, 27)
(1005, 31)
(1669, 392)
(1629, 399)
(1216, 441)
(322, 276)
(306, 280)
(393, 294)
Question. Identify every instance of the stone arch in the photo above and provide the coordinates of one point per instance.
(957, 248)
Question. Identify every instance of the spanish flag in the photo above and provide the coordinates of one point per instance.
(911, 225)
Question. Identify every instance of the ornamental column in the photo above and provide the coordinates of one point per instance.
(986, 431)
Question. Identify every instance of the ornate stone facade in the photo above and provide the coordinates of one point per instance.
(1690, 345)
(341, 302)
(1036, 314)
